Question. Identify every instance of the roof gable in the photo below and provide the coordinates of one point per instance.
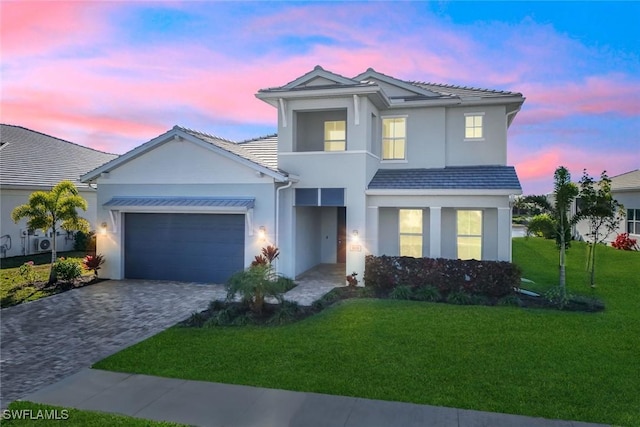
(224, 147)
(626, 181)
(392, 86)
(319, 77)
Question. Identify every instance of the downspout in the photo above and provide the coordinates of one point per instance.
(277, 218)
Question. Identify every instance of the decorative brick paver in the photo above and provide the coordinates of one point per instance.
(44, 341)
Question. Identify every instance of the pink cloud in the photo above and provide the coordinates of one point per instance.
(29, 27)
(594, 95)
(535, 168)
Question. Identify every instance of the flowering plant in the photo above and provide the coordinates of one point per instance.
(625, 243)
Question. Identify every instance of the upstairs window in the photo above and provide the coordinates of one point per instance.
(410, 228)
(469, 234)
(473, 124)
(394, 138)
(335, 135)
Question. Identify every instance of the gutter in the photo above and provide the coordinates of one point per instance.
(277, 218)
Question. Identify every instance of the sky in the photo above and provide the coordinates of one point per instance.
(113, 75)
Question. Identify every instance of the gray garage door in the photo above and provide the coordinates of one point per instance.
(184, 247)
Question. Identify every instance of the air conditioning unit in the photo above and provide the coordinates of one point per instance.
(42, 244)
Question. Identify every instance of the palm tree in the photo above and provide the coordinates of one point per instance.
(564, 192)
(52, 210)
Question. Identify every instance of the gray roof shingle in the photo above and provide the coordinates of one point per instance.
(458, 177)
(33, 159)
(626, 181)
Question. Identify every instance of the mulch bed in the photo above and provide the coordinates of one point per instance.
(49, 290)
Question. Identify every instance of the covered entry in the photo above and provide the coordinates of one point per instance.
(183, 246)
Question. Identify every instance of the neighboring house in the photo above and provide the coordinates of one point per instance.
(363, 165)
(31, 161)
(625, 188)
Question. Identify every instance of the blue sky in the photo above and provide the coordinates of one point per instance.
(112, 75)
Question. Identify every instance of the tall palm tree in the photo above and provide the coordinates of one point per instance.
(52, 210)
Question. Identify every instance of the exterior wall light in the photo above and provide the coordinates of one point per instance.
(103, 228)
(262, 233)
(354, 236)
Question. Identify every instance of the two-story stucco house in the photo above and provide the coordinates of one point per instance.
(363, 165)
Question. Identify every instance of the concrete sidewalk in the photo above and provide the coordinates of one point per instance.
(213, 404)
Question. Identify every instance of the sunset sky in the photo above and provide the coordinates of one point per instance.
(113, 75)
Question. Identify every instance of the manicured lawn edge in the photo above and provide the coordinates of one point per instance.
(544, 363)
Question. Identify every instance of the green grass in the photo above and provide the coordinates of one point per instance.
(74, 417)
(14, 289)
(545, 363)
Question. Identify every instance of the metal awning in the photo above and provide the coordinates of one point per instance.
(193, 202)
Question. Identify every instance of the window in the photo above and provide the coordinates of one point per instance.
(473, 126)
(470, 234)
(410, 232)
(394, 137)
(335, 135)
(633, 221)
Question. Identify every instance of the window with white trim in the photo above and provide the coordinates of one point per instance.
(410, 228)
(335, 135)
(469, 231)
(394, 138)
(473, 124)
(633, 221)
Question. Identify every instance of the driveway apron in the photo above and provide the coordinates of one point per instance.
(44, 341)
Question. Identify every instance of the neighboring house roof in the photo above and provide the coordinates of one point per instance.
(33, 159)
(246, 202)
(247, 156)
(628, 181)
(454, 177)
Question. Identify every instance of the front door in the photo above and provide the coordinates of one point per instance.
(342, 235)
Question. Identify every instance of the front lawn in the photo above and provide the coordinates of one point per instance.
(545, 363)
(14, 289)
(29, 414)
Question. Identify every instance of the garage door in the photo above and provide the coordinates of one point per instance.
(184, 247)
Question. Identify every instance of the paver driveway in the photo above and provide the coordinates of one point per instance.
(44, 341)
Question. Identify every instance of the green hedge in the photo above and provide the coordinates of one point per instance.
(494, 279)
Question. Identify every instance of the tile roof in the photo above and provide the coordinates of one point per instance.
(626, 181)
(30, 158)
(261, 151)
(463, 91)
(246, 202)
(458, 177)
(265, 147)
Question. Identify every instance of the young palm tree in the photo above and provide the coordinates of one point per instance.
(564, 192)
(52, 210)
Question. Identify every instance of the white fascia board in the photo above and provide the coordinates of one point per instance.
(426, 103)
(441, 192)
(130, 155)
(492, 101)
(272, 96)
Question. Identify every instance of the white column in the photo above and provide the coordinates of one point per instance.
(504, 234)
(372, 230)
(435, 232)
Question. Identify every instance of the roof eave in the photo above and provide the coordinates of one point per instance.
(374, 92)
(442, 192)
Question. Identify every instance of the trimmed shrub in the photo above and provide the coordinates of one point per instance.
(67, 269)
(542, 226)
(427, 293)
(401, 292)
(493, 279)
